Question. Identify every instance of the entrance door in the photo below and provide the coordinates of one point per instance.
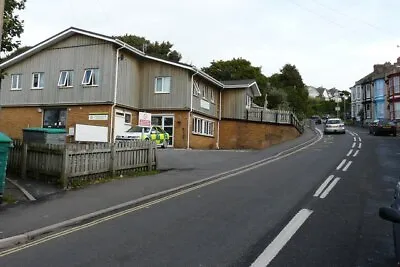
(122, 122)
(166, 122)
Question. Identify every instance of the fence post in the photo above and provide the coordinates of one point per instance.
(261, 115)
(149, 156)
(276, 117)
(64, 168)
(24, 160)
(291, 118)
(112, 159)
(247, 114)
(155, 157)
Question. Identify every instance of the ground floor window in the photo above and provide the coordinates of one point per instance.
(54, 118)
(203, 126)
(397, 110)
(166, 122)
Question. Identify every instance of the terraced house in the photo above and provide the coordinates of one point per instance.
(81, 77)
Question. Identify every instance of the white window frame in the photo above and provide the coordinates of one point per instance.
(40, 79)
(396, 84)
(91, 81)
(212, 96)
(249, 101)
(196, 88)
(397, 110)
(130, 114)
(203, 127)
(165, 89)
(69, 76)
(204, 92)
(18, 77)
(368, 91)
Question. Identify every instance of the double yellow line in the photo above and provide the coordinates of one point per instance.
(104, 219)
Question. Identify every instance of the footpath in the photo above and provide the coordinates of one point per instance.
(64, 209)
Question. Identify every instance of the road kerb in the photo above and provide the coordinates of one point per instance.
(23, 238)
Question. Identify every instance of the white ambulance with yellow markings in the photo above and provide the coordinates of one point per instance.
(154, 133)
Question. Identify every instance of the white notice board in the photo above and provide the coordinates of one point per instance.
(90, 133)
(144, 119)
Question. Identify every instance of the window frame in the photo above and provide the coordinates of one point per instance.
(204, 127)
(40, 78)
(130, 116)
(212, 96)
(89, 83)
(196, 88)
(67, 76)
(204, 92)
(163, 80)
(249, 101)
(19, 86)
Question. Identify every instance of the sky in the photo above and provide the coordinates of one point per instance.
(332, 43)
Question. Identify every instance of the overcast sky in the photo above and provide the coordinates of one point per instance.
(332, 43)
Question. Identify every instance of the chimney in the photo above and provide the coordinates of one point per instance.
(378, 68)
(398, 61)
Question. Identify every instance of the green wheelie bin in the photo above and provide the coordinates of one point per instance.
(5, 145)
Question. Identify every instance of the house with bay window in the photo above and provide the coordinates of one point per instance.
(393, 94)
(81, 77)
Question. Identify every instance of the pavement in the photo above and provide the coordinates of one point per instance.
(94, 200)
(232, 222)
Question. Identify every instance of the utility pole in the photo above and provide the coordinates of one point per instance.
(2, 3)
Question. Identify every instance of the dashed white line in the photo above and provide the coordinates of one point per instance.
(355, 139)
(330, 187)
(282, 238)
(359, 139)
(356, 153)
(323, 185)
(351, 151)
(354, 145)
(359, 145)
(341, 164)
(347, 166)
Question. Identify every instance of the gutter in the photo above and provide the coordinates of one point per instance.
(219, 116)
(191, 109)
(115, 95)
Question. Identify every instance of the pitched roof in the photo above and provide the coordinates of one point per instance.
(240, 84)
(72, 30)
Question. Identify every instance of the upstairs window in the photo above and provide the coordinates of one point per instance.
(212, 97)
(205, 92)
(249, 100)
(38, 80)
(91, 77)
(196, 88)
(163, 85)
(66, 78)
(16, 81)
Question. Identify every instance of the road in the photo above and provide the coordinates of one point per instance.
(279, 214)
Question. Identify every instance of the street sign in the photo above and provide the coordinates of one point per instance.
(144, 119)
(337, 108)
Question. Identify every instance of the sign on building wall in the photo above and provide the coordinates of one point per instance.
(144, 119)
(204, 104)
(98, 117)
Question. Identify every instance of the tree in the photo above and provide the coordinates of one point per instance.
(13, 26)
(161, 50)
(15, 53)
(239, 69)
(290, 80)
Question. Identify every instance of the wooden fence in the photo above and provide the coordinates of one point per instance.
(274, 116)
(66, 163)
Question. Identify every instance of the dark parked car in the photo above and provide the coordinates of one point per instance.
(392, 214)
(383, 126)
(316, 119)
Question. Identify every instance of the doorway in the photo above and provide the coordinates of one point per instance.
(166, 122)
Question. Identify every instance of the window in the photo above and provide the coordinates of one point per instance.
(196, 88)
(205, 92)
(54, 118)
(212, 98)
(249, 100)
(368, 91)
(16, 81)
(37, 80)
(91, 77)
(397, 110)
(66, 78)
(358, 92)
(128, 118)
(163, 85)
(203, 127)
(396, 81)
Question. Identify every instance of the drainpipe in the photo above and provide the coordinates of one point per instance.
(191, 109)
(115, 95)
(219, 115)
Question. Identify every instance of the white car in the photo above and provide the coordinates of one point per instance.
(334, 125)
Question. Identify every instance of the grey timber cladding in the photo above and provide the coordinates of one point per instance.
(233, 103)
(179, 96)
(75, 53)
(206, 100)
(128, 93)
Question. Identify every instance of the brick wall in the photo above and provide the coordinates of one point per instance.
(252, 135)
(13, 120)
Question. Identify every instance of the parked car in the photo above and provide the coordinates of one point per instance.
(392, 214)
(154, 133)
(383, 126)
(316, 119)
(334, 125)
